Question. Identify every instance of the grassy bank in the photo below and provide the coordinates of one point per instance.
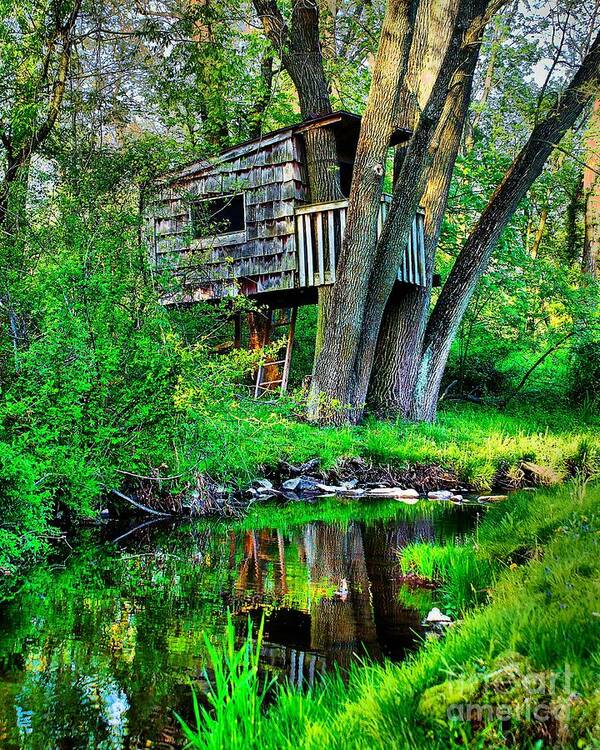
(519, 669)
(235, 440)
(472, 441)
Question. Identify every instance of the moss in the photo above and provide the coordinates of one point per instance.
(436, 701)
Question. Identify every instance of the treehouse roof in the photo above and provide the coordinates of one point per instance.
(346, 126)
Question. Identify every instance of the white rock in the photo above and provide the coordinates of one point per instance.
(264, 484)
(436, 616)
(439, 495)
(393, 492)
(331, 489)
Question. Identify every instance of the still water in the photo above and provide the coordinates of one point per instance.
(99, 647)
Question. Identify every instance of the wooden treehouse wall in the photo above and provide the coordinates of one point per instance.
(271, 175)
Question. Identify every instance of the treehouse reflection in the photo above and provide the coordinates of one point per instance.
(327, 593)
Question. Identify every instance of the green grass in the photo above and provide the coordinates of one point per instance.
(535, 642)
(236, 695)
(462, 574)
(475, 442)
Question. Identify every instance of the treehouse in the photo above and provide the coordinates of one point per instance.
(243, 222)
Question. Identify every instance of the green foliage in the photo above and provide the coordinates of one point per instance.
(23, 510)
(236, 694)
(463, 575)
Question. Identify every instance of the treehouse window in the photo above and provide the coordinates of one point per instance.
(221, 215)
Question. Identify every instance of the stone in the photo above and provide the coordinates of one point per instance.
(301, 484)
(541, 474)
(437, 617)
(263, 485)
(439, 495)
(396, 492)
(330, 489)
(456, 499)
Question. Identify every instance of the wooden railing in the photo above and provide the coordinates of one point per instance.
(320, 229)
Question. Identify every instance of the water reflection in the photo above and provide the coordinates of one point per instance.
(99, 652)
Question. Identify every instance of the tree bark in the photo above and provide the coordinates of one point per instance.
(405, 317)
(471, 20)
(475, 255)
(591, 191)
(333, 369)
(18, 154)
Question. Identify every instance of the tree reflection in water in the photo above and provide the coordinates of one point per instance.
(100, 652)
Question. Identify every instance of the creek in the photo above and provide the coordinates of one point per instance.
(99, 646)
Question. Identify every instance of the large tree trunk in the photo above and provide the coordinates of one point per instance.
(591, 192)
(471, 19)
(331, 383)
(475, 255)
(299, 48)
(405, 318)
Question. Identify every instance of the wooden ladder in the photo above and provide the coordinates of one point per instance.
(287, 319)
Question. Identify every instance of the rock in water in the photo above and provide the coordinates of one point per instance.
(409, 493)
(393, 492)
(491, 498)
(439, 495)
(301, 484)
(437, 617)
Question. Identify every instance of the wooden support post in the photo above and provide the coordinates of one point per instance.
(331, 240)
(288, 351)
(237, 331)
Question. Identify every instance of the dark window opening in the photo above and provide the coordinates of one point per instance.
(218, 216)
(346, 169)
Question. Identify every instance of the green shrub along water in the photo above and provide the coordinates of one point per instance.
(519, 669)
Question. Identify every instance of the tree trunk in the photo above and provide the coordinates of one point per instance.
(573, 209)
(331, 385)
(591, 191)
(405, 318)
(475, 255)
(471, 20)
(299, 48)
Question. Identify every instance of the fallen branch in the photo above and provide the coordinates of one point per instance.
(152, 479)
(139, 505)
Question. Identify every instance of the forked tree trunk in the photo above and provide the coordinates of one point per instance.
(471, 19)
(367, 269)
(405, 318)
(331, 383)
(475, 255)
